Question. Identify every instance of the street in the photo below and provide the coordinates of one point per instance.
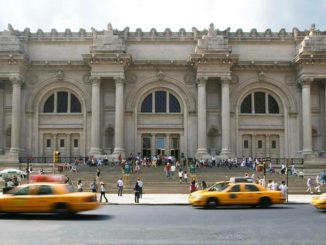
(168, 224)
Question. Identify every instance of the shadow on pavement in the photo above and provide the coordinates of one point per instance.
(76, 217)
(245, 207)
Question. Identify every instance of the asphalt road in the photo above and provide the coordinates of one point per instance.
(146, 224)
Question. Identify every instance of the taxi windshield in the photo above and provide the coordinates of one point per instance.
(218, 186)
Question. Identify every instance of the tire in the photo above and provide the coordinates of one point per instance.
(265, 202)
(61, 210)
(211, 203)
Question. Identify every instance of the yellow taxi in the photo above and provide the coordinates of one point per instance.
(47, 198)
(228, 193)
(319, 201)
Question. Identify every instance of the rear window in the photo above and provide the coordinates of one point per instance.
(251, 188)
(45, 190)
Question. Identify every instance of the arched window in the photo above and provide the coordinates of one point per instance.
(163, 102)
(62, 102)
(259, 103)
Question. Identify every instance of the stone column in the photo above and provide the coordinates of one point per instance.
(201, 112)
(15, 115)
(306, 116)
(119, 117)
(2, 136)
(168, 153)
(96, 117)
(253, 146)
(268, 147)
(324, 144)
(153, 145)
(68, 145)
(225, 119)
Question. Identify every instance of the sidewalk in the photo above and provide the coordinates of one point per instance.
(180, 199)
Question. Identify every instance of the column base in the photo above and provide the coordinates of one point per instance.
(119, 151)
(225, 154)
(95, 151)
(202, 154)
(307, 152)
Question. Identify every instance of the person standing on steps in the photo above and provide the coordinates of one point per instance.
(136, 190)
(103, 190)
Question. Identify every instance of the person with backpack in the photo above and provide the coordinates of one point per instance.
(137, 192)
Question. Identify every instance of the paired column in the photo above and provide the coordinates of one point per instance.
(15, 116)
(96, 117)
(306, 116)
(119, 117)
(2, 136)
(225, 116)
(201, 112)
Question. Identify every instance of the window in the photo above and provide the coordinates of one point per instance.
(260, 102)
(160, 142)
(164, 102)
(272, 105)
(45, 190)
(235, 188)
(48, 143)
(260, 144)
(174, 105)
(49, 104)
(257, 101)
(174, 143)
(160, 101)
(75, 104)
(273, 144)
(246, 105)
(75, 143)
(62, 102)
(22, 191)
(62, 143)
(246, 144)
(251, 188)
(147, 104)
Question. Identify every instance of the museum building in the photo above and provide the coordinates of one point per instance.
(194, 94)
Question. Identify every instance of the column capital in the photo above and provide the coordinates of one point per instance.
(119, 80)
(95, 80)
(305, 81)
(201, 81)
(226, 79)
(16, 80)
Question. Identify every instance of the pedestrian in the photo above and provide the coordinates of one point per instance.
(93, 187)
(136, 190)
(309, 185)
(103, 190)
(193, 186)
(180, 175)
(140, 184)
(98, 173)
(317, 187)
(269, 185)
(284, 189)
(185, 177)
(120, 186)
(79, 186)
(203, 184)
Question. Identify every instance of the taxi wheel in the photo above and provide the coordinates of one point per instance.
(212, 203)
(265, 202)
(62, 209)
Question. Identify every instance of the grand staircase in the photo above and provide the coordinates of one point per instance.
(156, 182)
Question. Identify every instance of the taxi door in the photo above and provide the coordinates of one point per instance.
(44, 199)
(21, 201)
(232, 196)
(251, 194)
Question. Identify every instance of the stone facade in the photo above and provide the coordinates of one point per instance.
(195, 93)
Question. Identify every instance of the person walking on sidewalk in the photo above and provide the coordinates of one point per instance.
(309, 185)
(136, 190)
(103, 190)
(140, 184)
(120, 186)
(79, 186)
(284, 189)
(317, 187)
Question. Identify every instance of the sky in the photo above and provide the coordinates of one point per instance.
(161, 14)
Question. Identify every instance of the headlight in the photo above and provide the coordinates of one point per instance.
(196, 196)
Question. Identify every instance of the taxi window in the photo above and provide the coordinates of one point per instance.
(218, 187)
(251, 188)
(45, 190)
(22, 191)
(235, 188)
